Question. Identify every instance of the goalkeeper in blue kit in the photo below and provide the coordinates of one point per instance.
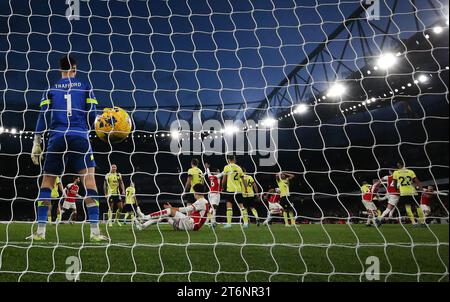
(67, 111)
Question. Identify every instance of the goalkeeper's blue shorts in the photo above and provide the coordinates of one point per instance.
(68, 153)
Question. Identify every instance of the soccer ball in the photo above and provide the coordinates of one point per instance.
(113, 125)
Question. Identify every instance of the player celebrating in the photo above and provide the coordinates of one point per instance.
(404, 179)
(195, 176)
(273, 197)
(190, 218)
(114, 187)
(283, 181)
(130, 202)
(233, 180)
(214, 193)
(68, 108)
(368, 194)
(391, 196)
(69, 205)
(250, 196)
(55, 200)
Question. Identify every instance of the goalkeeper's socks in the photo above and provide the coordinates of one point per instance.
(410, 214)
(421, 216)
(244, 216)
(291, 215)
(42, 210)
(93, 212)
(286, 220)
(229, 216)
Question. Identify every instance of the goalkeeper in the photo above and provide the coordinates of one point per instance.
(68, 109)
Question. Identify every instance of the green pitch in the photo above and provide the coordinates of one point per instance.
(308, 253)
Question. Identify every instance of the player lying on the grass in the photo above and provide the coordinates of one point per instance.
(68, 111)
(273, 197)
(250, 195)
(190, 218)
(392, 196)
(214, 193)
(131, 202)
(69, 207)
(368, 194)
(283, 181)
(55, 200)
(114, 188)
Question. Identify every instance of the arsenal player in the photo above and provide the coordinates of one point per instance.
(190, 218)
(69, 205)
(275, 208)
(392, 196)
(425, 209)
(368, 193)
(214, 193)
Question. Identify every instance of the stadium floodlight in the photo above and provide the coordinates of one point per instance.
(438, 30)
(2, 130)
(423, 79)
(13, 131)
(301, 109)
(387, 61)
(336, 91)
(230, 130)
(175, 134)
(268, 122)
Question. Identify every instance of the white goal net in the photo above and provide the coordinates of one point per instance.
(323, 125)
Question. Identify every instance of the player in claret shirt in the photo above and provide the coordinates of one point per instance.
(68, 111)
(190, 218)
(214, 193)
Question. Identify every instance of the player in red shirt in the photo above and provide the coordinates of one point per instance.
(71, 194)
(425, 210)
(190, 218)
(392, 196)
(214, 193)
(367, 200)
(275, 208)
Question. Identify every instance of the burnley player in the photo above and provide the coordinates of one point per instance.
(69, 205)
(114, 188)
(195, 176)
(131, 202)
(68, 110)
(55, 200)
(214, 193)
(250, 196)
(283, 181)
(190, 218)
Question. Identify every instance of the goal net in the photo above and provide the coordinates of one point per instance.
(317, 100)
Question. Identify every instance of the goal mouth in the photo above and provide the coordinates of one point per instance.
(315, 129)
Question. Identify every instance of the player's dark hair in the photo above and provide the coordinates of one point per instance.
(67, 63)
(199, 189)
(400, 164)
(195, 162)
(231, 157)
(365, 183)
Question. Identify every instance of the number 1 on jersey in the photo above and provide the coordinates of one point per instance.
(68, 98)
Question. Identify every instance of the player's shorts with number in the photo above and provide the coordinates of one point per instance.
(425, 208)
(393, 199)
(369, 205)
(275, 207)
(181, 222)
(214, 198)
(67, 205)
(68, 151)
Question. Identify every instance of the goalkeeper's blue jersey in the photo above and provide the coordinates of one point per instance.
(70, 106)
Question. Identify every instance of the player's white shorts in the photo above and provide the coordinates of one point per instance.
(425, 208)
(393, 199)
(214, 198)
(182, 222)
(69, 205)
(370, 206)
(275, 207)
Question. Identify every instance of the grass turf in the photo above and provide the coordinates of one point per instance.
(305, 253)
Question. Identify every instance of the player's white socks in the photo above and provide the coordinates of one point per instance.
(41, 229)
(387, 212)
(213, 215)
(95, 230)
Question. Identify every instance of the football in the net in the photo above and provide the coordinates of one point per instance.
(113, 125)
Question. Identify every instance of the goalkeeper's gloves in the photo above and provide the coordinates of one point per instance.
(36, 151)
